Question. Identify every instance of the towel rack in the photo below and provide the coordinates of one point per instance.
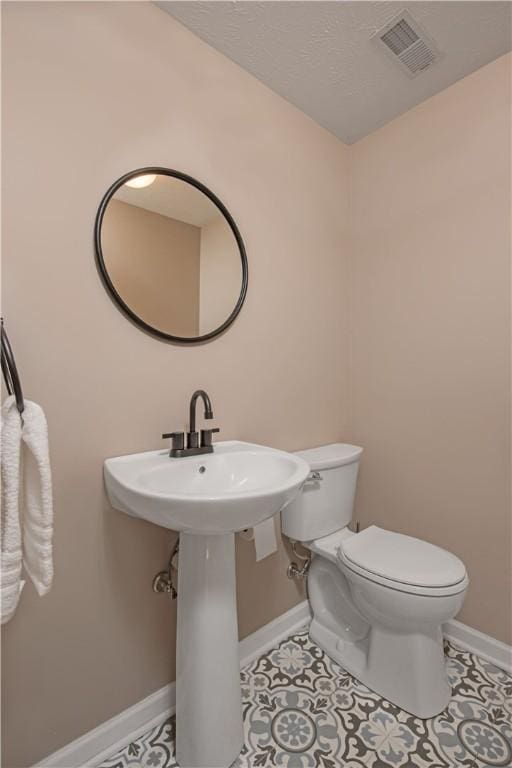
(9, 370)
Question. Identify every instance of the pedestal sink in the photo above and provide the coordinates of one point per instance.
(208, 499)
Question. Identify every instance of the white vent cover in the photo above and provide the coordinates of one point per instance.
(407, 44)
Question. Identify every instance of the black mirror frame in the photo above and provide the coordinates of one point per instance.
(110, 286)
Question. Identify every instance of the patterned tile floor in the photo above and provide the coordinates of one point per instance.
(301, 710)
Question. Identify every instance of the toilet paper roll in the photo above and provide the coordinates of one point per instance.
(265, 541)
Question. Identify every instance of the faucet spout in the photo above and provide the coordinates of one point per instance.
(208, 413)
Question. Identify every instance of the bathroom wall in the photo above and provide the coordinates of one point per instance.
(431, 350)
(92, 90)
(158, 282)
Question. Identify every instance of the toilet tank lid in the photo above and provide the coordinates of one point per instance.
(330, 456)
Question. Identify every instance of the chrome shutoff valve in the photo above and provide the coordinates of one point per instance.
(163, 583)
(298, 572)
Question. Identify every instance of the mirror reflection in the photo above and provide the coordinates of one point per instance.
(171, 256)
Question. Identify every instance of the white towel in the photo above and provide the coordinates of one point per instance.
(37, 504)
(11, 534)
(24, 454)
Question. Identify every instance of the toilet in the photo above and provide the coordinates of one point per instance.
(378, 598)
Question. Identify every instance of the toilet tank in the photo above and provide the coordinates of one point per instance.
(324, 505)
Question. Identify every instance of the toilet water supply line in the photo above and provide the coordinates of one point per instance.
(293, 571)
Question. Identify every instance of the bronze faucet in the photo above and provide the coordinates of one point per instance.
(194, 447)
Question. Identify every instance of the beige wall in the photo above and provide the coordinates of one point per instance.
(153, 262)
(221, 274)
(92, 90)
(431, 350)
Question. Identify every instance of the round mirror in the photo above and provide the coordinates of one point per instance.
(170, 255)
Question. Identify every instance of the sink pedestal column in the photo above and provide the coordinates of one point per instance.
(209, 727)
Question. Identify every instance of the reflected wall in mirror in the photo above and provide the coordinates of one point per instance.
(171, 255)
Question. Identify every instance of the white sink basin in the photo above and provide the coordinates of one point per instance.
(207, 498)
(236, 487)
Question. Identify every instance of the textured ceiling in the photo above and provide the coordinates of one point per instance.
(318, 55)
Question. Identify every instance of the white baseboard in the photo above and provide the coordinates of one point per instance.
(272, 633)
(102, 742)
(476, 642)
(105, 740)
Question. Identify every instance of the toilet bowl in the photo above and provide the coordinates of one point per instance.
(378, 598)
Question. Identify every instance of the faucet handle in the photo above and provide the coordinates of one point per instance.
(178, 439)
(206, 437)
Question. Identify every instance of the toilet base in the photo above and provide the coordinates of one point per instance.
(422, 698)
(404, 666)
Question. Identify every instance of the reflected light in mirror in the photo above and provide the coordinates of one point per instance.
(141, 181)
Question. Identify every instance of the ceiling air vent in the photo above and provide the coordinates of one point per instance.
(404, 40)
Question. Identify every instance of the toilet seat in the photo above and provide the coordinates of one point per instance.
(402, 563)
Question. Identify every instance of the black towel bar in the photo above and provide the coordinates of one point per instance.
(9, 370)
